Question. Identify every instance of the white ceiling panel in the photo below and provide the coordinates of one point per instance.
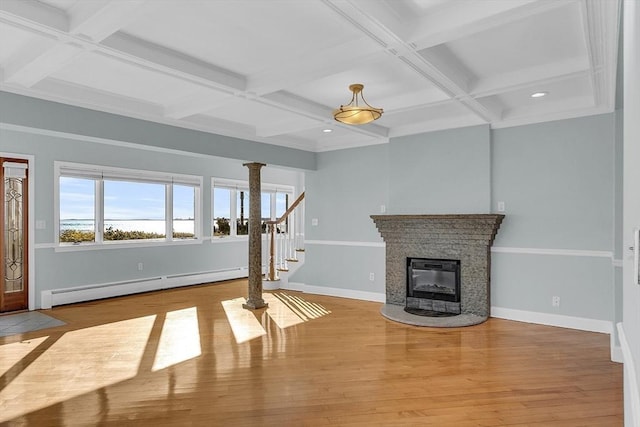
(14, 42)
(392, 83)
(248, 111)
(543, 38)
(571, 93)
(242, 36)
(121, 78)
(62, 4)
(272, 71)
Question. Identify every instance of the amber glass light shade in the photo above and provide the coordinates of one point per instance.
(358, 111)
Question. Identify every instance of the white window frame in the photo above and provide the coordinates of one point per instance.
(101, 173)
(234, 186)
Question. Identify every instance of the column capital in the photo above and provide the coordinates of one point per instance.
(254, 165)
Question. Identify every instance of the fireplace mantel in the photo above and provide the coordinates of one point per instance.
(465, 237)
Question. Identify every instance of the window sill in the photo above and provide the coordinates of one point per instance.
(129, 244)
(229, 239)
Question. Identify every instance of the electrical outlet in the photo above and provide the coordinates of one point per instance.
(140, 266)
(555, 301)
(500, 206)
(383, 208)
(314, 221)
(372, 277)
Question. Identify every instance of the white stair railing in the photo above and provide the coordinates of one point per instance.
(283, 241)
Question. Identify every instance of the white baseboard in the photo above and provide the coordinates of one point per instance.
(580, 323)
(336, 292)
(96, 291)
(570, 322)
(616, 354)
(631, 379)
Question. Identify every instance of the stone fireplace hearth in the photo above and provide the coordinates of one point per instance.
(467, 238)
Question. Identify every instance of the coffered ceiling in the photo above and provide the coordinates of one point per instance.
(273, 70)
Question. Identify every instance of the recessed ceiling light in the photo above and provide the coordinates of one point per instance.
(539, 94)
(327, 130)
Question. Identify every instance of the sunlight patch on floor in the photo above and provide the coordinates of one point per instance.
(284, 309)
(12, 354)
(281, 313)
(180, 338)
(243, 323)
(96, 357)
(304, 309)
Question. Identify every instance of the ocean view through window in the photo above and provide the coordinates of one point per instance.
(99, 205)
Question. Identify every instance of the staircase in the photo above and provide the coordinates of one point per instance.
(283, 246)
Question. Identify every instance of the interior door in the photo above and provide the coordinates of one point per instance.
(13, 235)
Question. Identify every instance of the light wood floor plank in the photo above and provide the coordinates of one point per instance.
(192, 357)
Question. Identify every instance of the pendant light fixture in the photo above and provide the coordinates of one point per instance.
(356, 112)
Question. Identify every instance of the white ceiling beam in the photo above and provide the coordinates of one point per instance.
(29, 12)
(314, 66)
(600, 25)
(221, 126)
(149, 55)
(96, 20)
(435, 125)
(390, 15)
(99, 19)
(40, 60)
(34, 65)
(196, 104)
(82, 96)
(531, 77)
(444, 60)
(548, 116)
(550, 108)
(281, 128)
(353, 53)
(297, 105)
(347, 141)
(456, 20)
(359, 15)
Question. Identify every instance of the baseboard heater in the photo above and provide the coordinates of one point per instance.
(91, 292)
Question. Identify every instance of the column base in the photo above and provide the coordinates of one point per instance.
(255, 304)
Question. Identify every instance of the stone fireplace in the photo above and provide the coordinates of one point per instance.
(466, 239)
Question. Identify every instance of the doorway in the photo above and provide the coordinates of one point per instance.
(14, 239)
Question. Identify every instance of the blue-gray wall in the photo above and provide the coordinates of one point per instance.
(64, 269)
(557, 181)
(441, 172)
(560, 182)
(35, 113)
(344, 248)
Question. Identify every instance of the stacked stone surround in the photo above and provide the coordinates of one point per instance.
(467, 238)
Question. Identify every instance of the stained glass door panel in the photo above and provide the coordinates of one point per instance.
(13, 234)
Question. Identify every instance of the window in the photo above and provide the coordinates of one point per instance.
(221, 212)
(133, 210)
(102, 205)
(184, 212)
(242, 221)
(77, 210)
(231, 206)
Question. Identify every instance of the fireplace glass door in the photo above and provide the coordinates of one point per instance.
(433, 279)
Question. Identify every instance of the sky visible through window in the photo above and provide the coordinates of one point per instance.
(132, 200)
(123, 200)
(222, 204)
(77, 198)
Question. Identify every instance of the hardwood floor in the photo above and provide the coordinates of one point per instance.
(192, 357)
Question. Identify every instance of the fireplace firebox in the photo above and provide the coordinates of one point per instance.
(433, 287)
